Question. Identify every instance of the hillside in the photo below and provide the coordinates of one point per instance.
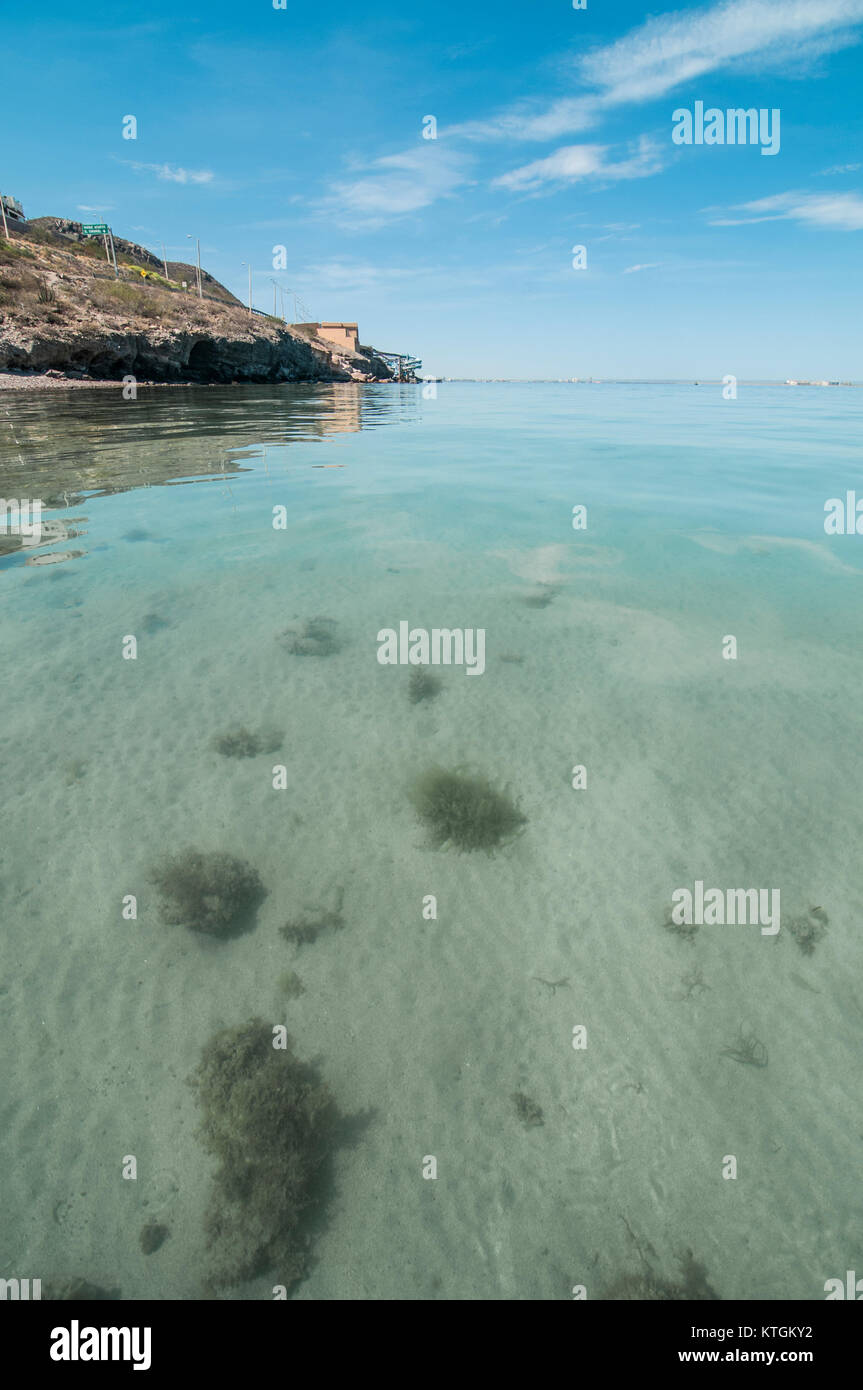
(62, 310)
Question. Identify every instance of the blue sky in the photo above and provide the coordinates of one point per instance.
(303, 127)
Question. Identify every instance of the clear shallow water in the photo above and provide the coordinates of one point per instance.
(603, 648)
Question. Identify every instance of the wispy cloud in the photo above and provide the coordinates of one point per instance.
(841, 212)
(358, 275)
(173, 173)
(398, 184)
(841, 169)
(86, 207)
(574, 162)
(567, 116)
(668, 51)
(648, 265)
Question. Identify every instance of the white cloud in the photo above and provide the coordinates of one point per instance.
(85, 207)
(174, 174)
(398, 184)
(669, 50)
(574, 162)
(567, 116)
(358, 275)
(648, 265)
(841, 212)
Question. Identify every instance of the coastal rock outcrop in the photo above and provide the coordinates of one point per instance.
(158, 355)
(64, 309)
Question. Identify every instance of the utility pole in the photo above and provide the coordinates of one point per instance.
(165, 261)
(5, 223)
(114, 254)
(277, 289)
(198, 257)
(248, 265)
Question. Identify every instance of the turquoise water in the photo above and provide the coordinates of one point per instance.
(604, 650)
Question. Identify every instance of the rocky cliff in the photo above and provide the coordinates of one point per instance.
(62, 309)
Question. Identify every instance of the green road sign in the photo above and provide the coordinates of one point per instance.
(94, 228)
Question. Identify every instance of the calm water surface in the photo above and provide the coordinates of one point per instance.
(446, 1033)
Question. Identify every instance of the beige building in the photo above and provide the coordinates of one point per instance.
(344, 335)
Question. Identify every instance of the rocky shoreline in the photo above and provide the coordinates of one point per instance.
(66, 316)
(173, 358)
(18, 380)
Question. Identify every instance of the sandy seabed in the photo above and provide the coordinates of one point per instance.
(737, 774)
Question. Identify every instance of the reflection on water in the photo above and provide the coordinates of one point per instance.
(65, 447)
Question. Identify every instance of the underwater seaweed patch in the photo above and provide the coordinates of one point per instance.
(649, 1286)
(302, 930)
(423, 685)
(542, 597)
(527, 1110)
(809, 928)
(465, 810)
(685, 930)
(212, 893)
(746, 1048)
(153, 622)
(76, 1290)
(271, 1123)
(315, 637)
(152, 1237)
(692, 983)
(239, 742)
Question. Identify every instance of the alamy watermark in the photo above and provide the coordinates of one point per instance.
(844, 517)
(734, 906)
(21, 517)
(77, 1343)
(20, 1289)
(442, 646)
(735, 126)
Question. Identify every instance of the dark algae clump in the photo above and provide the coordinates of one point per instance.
(527, 1110)
(306, 928)
(809, 928)
(648, 1285)
(239, 742)
(270, 1122)
(212, 893)
(315, 637)
(685, 930)
(423, 685)
(541, 597)
(747, 1049)
(76, 1290)
(153, 1237)
(464, 810)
